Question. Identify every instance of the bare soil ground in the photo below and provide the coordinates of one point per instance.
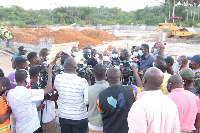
(174, 46)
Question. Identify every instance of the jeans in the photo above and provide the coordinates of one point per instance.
(73, 126)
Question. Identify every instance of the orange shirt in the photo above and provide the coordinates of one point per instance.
(5, 127)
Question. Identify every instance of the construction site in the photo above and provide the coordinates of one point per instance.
(36, 38)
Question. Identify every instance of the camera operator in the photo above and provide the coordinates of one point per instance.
(46, 107)
(22, 102)
(44, 55)
(125, 67)
(72, 99)
(33, 58)
(74, 51)
(135, 57)
(115, 58)
(94, 57)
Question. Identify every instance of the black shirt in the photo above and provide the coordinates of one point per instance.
(115, 103)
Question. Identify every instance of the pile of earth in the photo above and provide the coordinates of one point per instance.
(32, 36)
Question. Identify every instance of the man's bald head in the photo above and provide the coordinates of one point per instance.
(153, 78)
(124, 55)
(175, 81)
(183, 59)
(115, 51)
(106, 53)
(70, 64)
(160, 48)
(86, 50)
(74, 49)
(89, 46)
(114, 76)
(160, 45)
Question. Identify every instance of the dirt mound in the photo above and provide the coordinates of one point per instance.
(31, 36)
(100, 35)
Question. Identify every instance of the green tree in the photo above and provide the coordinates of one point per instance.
(87, 12)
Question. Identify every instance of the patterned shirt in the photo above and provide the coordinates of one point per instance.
(197, 81)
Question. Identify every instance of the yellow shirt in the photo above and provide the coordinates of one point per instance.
(164, 84)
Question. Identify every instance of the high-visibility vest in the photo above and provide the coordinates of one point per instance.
(5, 127)
(8, 35)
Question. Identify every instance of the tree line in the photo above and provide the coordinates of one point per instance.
(187, 9)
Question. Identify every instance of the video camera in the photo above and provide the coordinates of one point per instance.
(84, 70)
(126, 71)
(57, 69)
(115, 62)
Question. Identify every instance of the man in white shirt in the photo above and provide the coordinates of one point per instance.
(22, 102)
(153, 112)
(72, 99)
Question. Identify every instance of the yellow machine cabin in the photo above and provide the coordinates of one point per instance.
(171, 29)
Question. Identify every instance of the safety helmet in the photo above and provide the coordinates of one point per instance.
(2, 27)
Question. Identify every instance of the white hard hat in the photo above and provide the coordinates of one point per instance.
(2, 27)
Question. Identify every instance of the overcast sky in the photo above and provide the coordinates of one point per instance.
(126, 5)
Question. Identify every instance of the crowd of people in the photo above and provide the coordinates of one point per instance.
(132, 91)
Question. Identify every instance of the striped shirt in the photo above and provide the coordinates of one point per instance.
(71, 99)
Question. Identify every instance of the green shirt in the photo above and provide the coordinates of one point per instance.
(94, 116)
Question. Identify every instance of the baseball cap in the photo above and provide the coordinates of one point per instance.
(22, 48)
(195, 58)
(170, 60)
(187, 73)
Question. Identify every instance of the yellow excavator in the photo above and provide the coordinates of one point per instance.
(171, 29)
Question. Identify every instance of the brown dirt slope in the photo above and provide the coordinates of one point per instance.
(31, 36)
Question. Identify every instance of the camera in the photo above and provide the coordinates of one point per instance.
(82, 71)
(115, 62)
(57, 69)
(126, 71)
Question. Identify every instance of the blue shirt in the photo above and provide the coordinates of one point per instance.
(193, 90)
(146, 61)
(15, 56)
(165, 56)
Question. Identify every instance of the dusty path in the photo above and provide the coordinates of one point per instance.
(175, 46)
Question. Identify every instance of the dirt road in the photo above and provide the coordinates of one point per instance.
(175, 46)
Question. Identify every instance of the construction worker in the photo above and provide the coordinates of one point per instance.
(2, 31)
(8, 36)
